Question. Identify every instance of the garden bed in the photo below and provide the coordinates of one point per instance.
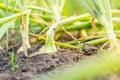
(58, 40)
(40, 63)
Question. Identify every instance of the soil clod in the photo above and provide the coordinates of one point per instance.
(89, 49)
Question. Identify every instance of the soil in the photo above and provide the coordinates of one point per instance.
(31, 66)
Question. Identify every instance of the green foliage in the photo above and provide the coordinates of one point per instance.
(5, 27)
(100, 9)
(12, 17)
(12, 59)
(71, 8)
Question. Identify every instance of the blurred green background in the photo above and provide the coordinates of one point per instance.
(70, 6)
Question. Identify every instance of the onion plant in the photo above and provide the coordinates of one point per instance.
(100, 9)
(8, 21)
(24, 31)
(56, 7)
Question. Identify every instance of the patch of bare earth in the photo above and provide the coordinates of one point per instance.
(38, 64)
